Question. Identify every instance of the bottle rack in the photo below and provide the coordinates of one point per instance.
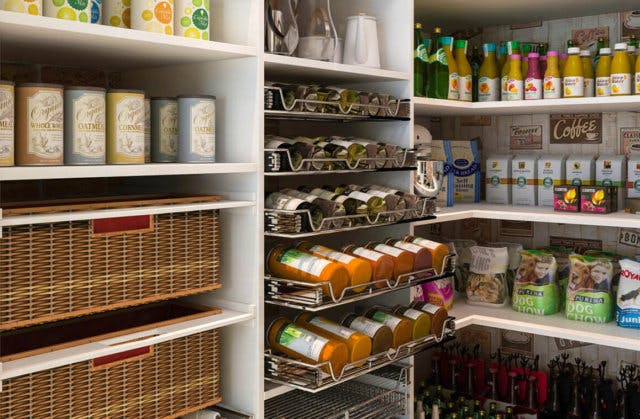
(384, 393)
(313, 378)
(275, 160)
(310, 296)
(288, 223)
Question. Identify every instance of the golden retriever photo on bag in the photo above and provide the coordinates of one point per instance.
(535, 270)
(590, 276)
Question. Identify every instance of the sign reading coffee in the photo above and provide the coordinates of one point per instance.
(526, 137)
(576, 128)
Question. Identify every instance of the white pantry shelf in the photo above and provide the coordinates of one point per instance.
(441, 107)
(555, 326)
(285, 68)
(127, 342)
(531, 213)
(45, 40)
(132, 170)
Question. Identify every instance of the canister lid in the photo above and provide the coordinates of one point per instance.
(163, 98)
(49, 85)
(196, 97)
(140, 92)
(7, 83)
(91, 88)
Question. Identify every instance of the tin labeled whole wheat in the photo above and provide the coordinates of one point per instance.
(7, 123)
(125, 126)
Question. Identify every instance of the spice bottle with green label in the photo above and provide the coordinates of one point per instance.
(380, 334)
(402, 328)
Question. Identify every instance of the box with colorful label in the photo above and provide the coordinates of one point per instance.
(551, 172)
(566, 198)
(498, 179)
(598, 199)
(633, 177)
(611, 170)
(524, 179)
(581, 170)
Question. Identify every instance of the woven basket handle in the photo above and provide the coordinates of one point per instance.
(122, 225)
(119, 358)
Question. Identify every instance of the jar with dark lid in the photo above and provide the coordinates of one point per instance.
(84, 125)
(196, 129)
(7, 123)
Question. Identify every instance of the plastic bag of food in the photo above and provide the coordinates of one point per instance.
(463, 260)
(628, 301)
(439, 293)
(487, 281)
(589, 289)
(514, 260)
(564, 267)
(535, 289)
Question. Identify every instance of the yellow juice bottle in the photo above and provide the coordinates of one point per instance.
(637, 78)
(465, 75)
(502, 57)
(563, 62)
(620, 71)
(552, 83)
(515, 81)
(489, 81)
(603, 73)
(587, 70)
(573, 75)
(631, 52)
(513, 47)
(447, 44)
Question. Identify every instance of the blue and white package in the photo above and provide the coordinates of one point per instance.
(464, 165)
(628, 300)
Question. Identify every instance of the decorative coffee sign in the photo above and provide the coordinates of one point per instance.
(576, 128)
(526, 137)
(630, 140)
(578, 245)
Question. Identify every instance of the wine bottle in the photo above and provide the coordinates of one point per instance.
(350, 205)
(329, 208)
(367, 203)
(335, 151)
(282, 143)
(349, 100)
(314, 152)
(280, 201)
(379, 153)
(355, 152)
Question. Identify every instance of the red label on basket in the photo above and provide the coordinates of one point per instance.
(121, 356)
(122, 224)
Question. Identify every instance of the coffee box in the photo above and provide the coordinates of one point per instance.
(524, 180)
(498, 179)
(566, 198)
(580, 170)
(598, 199)
(610, 170)
(633, 177)
(551, 172)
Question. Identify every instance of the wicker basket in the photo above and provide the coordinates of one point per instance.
(166, 380)
(62, 270)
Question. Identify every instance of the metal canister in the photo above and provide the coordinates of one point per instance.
(125, 126)
(84, 125)
(96, 11)
(147, 130)
(196, 129)
(192, 19)
(78, 10)
(32, 7)
(39, 124)
(164, 130)
(116, 13)
(152, 16)
(7, 123)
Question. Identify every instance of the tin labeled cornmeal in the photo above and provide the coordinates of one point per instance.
(192, 19)
(152, 16)
(7, 123)
(39, 124)
(164, 130)
(32, 7)
(197, 129)
(125, 127)
(117, 13)
(84, 125)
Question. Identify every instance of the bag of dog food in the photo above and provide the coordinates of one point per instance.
(562, 272)
(535, 289)
(589, 289)
(514, 250)
(615, 259)
(487, 281)
(628, 301)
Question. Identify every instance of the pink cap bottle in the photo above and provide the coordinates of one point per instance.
(533, 80)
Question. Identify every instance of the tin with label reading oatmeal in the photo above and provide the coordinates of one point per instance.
(84, 125)
(164, 130)
(197, 129)
(7, 122)
(125, 126)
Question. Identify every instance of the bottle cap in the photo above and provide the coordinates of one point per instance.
(533, 55)
(526, 48)
(631, 48)
(573, 51)
(585, 53)
(418, 25)
(605, 51)
(564, 56)
(437, 30)
(489, 48)
(622, 46)
(514, 57)
(543, 58)
(448, 40)
(552, 53)
(460, 44)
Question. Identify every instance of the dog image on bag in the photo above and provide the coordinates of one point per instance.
(536, 288)
(589, 296)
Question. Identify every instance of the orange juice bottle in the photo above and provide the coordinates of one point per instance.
(513, 47)
(587, 69)
(620, 71)
(403, 260)
(300, 343)
(489, 78)
(573, 75)
(382, 266)
(295, 264)
(359, 269)
(447, 45)
(402, 328)
(603, 73)
(465, 75)
(637, 78)
(552, 85)
(438, 250)
(359, 345)
(515, 81)
(380, 334)
(421, 321)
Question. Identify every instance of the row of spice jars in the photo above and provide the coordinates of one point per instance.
(47, 124)
(189, 18)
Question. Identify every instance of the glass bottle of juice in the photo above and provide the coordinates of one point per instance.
(465, 75)
(602, 43)
(515, 81)
(489, 82)
(587, 70)
(453, 92)
(420, 56)
(543, 47)
(620, 71)
(526, 50)
(552, 85)
(476, 63)
(603, 73)
(434, 84)
(513, 47)
(631, 52)
(502, 57)
(543, 64)
(573, 76)
(637, 78)
(533, 82)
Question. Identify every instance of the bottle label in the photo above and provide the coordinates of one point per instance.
(465, 88)
(301, 341)
(303, 262)
(504, 92)
(330, 254)
(454, 93)
(365, 326)
(360, 196)
(421, 53)
(425, 243)
(285, 202)
(533, 88)
(412, 314)
(488, 89)
(321, 193)
(413, 248)
(515, 89)
(367, 254)
(345, 144)
(620, 84)
(389, 250)
(430, 308)
(332, 327)
(552, 88)
(387, 319)
(89, 125)
(440, 56)
(573, 86)
(603, 86)
(589, 87)
(637, 84)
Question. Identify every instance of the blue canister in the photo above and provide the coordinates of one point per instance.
(84, 125)
(164, 130)
(197, 129)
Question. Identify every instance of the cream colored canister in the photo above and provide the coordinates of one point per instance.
(7, 123)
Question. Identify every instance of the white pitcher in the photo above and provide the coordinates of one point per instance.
(361, 41)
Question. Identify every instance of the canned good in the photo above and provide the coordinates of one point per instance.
(84, 125)
(164, 130)
(147, 130)
(125, 126)
(117, 13)
(79, 10)
(7, 122)
(192, 19)
(152, 16)
(196, 129)
(96, 11)
(32, 7)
